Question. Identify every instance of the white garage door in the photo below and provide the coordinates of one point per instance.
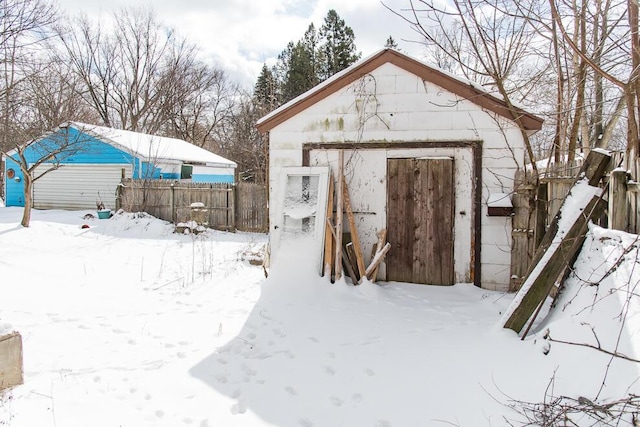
(78, 186)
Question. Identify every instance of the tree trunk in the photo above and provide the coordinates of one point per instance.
(28, 201)
(581, 68)
(559, 137)
(633, 144)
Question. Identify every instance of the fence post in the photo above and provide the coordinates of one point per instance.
(172, 203)
(542, 212)
(618, 200)
(231, 215)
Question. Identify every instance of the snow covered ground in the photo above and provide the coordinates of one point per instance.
(128, 324)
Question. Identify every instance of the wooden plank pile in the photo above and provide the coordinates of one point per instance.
(339, 256)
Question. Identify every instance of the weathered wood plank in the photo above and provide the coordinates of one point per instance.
(523, 224)
(422, 254)
(400, 219)
(357, 248)
(377, 259)
(443, 202)
(618, 200)
(382, 239)
(338, 233)
(351, 256)
(329, 255)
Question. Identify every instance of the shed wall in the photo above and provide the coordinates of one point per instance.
(392, 105)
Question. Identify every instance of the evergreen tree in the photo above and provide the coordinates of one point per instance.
(338, 45)
(265, 91)
(391, 44)
(300, 65)
(315, 57)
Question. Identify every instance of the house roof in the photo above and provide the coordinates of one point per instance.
(152, 147)
(461, 87)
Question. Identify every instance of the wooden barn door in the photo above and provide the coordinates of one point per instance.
(420, 204)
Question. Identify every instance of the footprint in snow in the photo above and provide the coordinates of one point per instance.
(329, 370)
(238, 408)
(369, 372)
(292, 391)
(356, 398)
(305, 422)
(314, 339)
(248, 370)
(336, 401)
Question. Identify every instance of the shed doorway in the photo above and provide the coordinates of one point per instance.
(420, 206)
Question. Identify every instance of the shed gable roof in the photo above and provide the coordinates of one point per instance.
(465, 89)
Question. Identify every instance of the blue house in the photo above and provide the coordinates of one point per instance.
(90, 161)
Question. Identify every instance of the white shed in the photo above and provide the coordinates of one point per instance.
(409, 131)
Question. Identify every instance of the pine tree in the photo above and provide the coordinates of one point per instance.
(315, 57)
(338, 45)
(391, 44)
(265, 91)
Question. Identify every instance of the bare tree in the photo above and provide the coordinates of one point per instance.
(202, 105)
(23, 23)
(245, 144)
(130, 72)
(614, 59)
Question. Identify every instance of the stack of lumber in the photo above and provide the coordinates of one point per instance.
(349, 256)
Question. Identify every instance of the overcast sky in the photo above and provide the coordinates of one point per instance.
(240, 35)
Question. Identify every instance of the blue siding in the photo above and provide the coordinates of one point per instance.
(86, 150)
(14, 188)
(150, 171)
(212, 178)
(168, 175)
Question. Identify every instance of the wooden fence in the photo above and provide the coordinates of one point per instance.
(229, 207)
(536, 201)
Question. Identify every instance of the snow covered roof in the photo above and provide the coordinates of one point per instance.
(462, 87)
(154, 147)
